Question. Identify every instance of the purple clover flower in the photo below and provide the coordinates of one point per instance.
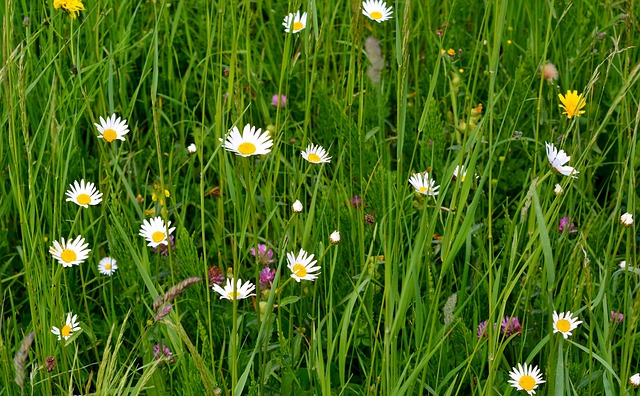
(266, 277)
(279, 101)
(617, 317)
(264, 255)
(356, 201)
(510, 326)
(161, 351)
(563, 224)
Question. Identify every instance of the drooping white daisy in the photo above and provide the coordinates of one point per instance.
(192, 148)
(297, 206)
(634, 380)
(302, 267)
(241, 291)
(83, 194)
(155, 231)
(423, 184)
(558, 190)
(316, 154)
(70, 253)
(293, 23)
(558, 159)
(376, 10)
(112, 128)
(526, 378)
(626, 219)
(67, 330)
(107, 266)
(459, 172)
(334, 238)
(564, 323)
(251, 142)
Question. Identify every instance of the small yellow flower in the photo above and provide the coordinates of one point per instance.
(572, 103)
(451, 52)
(72, 6)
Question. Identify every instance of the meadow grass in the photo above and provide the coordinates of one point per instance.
(398, 301)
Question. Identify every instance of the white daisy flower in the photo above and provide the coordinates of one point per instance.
(459, 172)
(316, 154)
(376, 10)
(67, 330)
(70, 253)
(423, 184)
(192, 148)
(112, 128)
(558, 159)
(302, 267)
(155, 231)
(83, 194)
(334, 238)
(297, 206)
(107, 266)
(634, 380)
(293, 23)
(251, 142)
(564, 323)
(626, 219)
(558, 190)
(241, 291)
(526, 378)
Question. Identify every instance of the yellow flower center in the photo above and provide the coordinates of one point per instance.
(158, 236)
(233, 295)
(65, 331)
(463, 177)
(109, 135)
(107, 267)
(376, 15)
(563, 325)
(297, 26)
(423, 189)
(300, 270)
(247, 148)
(68, 255)
(527, 382)
(84, 199)
(313, 157)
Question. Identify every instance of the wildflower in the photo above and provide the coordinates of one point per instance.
(482, 329)
(279, 101)
(564, 323)
(235, 290)
(626, 219)
(572, 103)
(251, 142)
(302, 267)
(107, 266)
(376, 10)
(215, 275)
(67, 330)
(423, 184)
(558, 159)
(112, 128)
(70, 252)
(526, 378)
(21, 358)
(71, 6)
(563, 224)
(161, 351)
(83, 194)
(460, 172)
(266, 277)
(617, 317)
(549, 72)
(192, 148)
(316, 154)
(369, 219)
(293, 23)
(634, 380)
(356, 201)
(50, 363)
(164, 249)
(155, 231)
(558, 190)
(510, 326)
(334, 238)
(297, 206)
(623, 265)
(264, 255)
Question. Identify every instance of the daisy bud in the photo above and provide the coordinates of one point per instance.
(297, 206)
(626, 219)
(623, 265)
(558, 189)
(192, 148)
(634, 380)
(334, 238)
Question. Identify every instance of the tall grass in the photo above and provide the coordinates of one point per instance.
(398, 302)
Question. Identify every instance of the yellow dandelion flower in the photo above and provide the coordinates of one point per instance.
(572, 103)
(71, 6)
